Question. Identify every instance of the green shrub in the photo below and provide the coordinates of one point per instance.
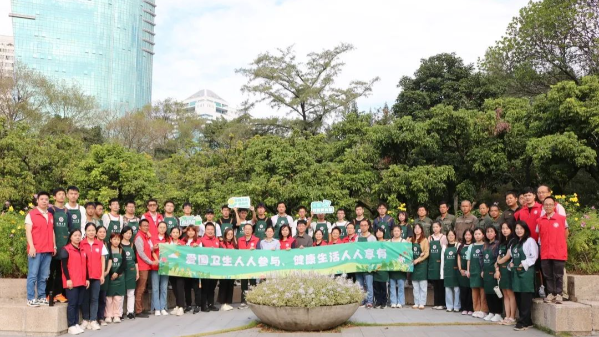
(13, 245)
(305, 289)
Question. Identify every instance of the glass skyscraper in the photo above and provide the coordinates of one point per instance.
(106, 46)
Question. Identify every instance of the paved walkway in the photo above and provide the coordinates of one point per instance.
(189, 324)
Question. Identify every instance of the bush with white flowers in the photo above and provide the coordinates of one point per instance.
(305, 289)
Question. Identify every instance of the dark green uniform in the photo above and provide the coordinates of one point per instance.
(426, 224)
(260, 228)
(224, 224)
(116, 286)
(484, 222)
(385, 225)
(420, 269)
(450, 267)
(343, 230)
(240, 228)
(405, 231)
(75, 215)
(447, 223)
(434, 260)
(104, 286)
(113, 227)
(130, 269)
(281, 220)
(133, 223)
(523, 281)
(489, 280)
(61, 230)
(476, 281)
(464, 281)
(171, 222)
(505, 282)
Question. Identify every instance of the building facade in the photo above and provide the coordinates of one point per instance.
(208, 105)
(7, 55)
(104, 46)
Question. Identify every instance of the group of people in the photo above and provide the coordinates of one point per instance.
(94, 259)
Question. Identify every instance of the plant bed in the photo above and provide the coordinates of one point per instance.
(305, 301)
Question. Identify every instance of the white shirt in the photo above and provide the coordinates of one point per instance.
(28, 217)
(106, 218)
(83, 214)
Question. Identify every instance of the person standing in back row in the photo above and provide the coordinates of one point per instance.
(281, 218)
(62, 228)
(447, 220)
(113, 221)
(76, 211)
(466, 221)
(153, 217)
(383, 220)
(424, 220)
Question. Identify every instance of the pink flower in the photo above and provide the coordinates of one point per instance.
(592, 207)
(586, 216)
(593, 228)
(582, 224)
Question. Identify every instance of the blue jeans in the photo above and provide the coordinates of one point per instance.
(90, 301)
(75, 297)
(420, 290)
(38, 271)
(159, 290)
(366, 280)
(452, 298)
(397, 291)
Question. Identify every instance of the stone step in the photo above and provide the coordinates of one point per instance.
(19, 319)
(594, 313)
(568, 317)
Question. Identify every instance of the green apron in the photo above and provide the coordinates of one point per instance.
(171, 222)
(420, 269)
(384, 225)
(450, 267)
(381, 276)
(343, 230)
(362, 239)
(463, 281)
(505, 282)
(113, 227)
(116, 286)
(75, 215)
(260, 228)
(489, 271)
(134, 224)
(281, 220)
(104, 286)
(404, 231)
(61, 230)
(434, 260)
(224, 225)
(476, 281)
(397, 275)
(325, 230)
(130, 270)
(240, 228)
(523, 281)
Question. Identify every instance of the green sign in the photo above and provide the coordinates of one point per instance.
(215, 263)
(322, 207)
(239, 202)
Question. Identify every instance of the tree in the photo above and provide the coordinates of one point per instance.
(305, 90)
(444, 79)
(138, 131)
(550, 41)
(22, 95)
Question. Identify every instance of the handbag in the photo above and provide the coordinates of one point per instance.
(497, 290)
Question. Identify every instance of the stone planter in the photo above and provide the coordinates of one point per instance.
(304, 319)
(583, 287)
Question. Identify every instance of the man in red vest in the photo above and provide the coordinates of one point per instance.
(153, 217)
(530, 212)
(41, 246)
(145, 262)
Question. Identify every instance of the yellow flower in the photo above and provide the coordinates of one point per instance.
(11, 209)
(30, 205)
(21, 212)
(19, 227)
(12, 231)
(576, 195)
(577, 204)
(576, 219)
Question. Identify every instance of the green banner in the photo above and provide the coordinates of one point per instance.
(216, 263)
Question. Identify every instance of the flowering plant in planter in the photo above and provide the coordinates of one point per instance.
(307, 290)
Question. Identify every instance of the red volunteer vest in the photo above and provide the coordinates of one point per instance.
(213, 242)
(153, 225)
(530, 215)
(158, 241)
(247, 244)
(142, 265)
(42, 231)
(287, 243)
(552, 233)
(94, 258)
(77, 266)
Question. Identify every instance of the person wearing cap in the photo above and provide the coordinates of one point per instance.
(226, 221)
(261, 221)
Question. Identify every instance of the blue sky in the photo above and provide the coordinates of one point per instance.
(199, 44)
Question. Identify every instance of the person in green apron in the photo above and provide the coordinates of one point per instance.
(261, 221)
(437, 241)
(115, 293)
(384, 220)
(322, 224)
(450, 272)
(281, 218)
(101, 235)
(420, 250)
(524, 254)
(131, 269)
(463, 280)
(506, 239)
(475, 274)
(188, 219)
(365, 279)
(226, 221)
(397, 278)
(76, 211)
(241, 217)
(169, 216)
(90, 213)
(62, 228)
(341, 223)
(489, 259)
(113, 221)
(406, 229)
(130, 219)
(380, 278)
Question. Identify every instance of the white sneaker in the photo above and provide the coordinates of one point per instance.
(79, 328)
(226, 307)
(175, 311)
(157, 313)
(73, 330)
(33, 303)
(393, 306)
(84, 324)
(95, 325)
(456, 310)
(399, 306)
(421, 307)
(476, 314)
(116, 320)
(180, 312)
(108, 320)
(163, 312)
(488, 317)
(497, 318)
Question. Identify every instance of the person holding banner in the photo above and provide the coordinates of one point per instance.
(209, 240)
(285, 239)
(270, 243)
(351, 233)
(281, 218)
(319, 239)
(366, 279)
(302, 239)
(191, 239)
(397, 278)
(380, 278)
(225, 286)
(420, 249)
(251, 242)
(159, 282)
(323, 225)
(406, 229)
(178, 283)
